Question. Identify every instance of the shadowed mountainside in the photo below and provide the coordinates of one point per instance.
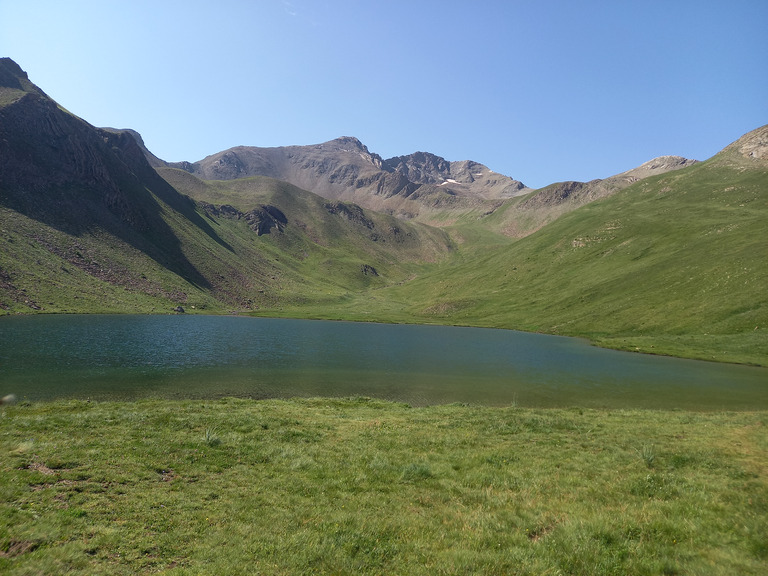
(63, 172)
(87, 224)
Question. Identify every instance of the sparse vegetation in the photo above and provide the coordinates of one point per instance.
(357, 486)
(648, 454)
(211, 437)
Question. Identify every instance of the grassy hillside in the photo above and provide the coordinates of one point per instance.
(42, 268)
(366, 487)
(322, 253)
(675, 264)
(326, 251)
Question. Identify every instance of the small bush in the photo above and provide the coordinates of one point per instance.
(648, 454)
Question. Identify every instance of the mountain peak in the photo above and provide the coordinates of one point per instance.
(658, 165)
(11, 73)
(14, 82)
(347, 144)
(349, 140)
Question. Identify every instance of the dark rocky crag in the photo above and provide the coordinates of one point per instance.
(263, 219)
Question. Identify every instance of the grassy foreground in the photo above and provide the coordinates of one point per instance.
(357, 486)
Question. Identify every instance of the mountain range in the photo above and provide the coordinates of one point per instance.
(92, 221)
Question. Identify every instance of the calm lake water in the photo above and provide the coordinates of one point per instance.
(131, 357)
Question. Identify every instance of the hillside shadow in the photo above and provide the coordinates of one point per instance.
(64, 173)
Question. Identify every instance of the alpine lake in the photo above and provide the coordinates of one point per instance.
(126, 357)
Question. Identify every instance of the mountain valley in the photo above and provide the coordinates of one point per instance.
(670, 257)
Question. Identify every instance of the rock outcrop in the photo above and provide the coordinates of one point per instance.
(263, 219)
(753, 145)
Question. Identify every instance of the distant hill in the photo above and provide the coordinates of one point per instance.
(545, 205)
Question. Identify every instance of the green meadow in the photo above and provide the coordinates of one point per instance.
(358, 486)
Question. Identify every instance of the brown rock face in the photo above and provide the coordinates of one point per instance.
(344, 169)
(753, 145)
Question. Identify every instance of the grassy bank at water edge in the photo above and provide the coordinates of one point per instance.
(356, 486)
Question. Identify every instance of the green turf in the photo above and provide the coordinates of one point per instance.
(322, 486)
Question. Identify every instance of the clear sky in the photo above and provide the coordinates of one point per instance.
(542, 91)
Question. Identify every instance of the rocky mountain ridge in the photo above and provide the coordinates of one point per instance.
(344, 169)
(752, 146)
(583, 192)
(420, 185)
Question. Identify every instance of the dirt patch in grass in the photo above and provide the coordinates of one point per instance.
(38, 466)
(19, 547)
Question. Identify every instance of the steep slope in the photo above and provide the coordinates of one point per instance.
(673, 264)
(75, 180)
(344, 169)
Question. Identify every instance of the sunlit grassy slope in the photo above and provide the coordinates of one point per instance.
(675, 264)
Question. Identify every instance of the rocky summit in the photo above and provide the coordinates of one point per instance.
(344, 169)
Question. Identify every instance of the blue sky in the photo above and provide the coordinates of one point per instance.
(541, 91)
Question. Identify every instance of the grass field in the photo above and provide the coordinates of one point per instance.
(356, 486)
